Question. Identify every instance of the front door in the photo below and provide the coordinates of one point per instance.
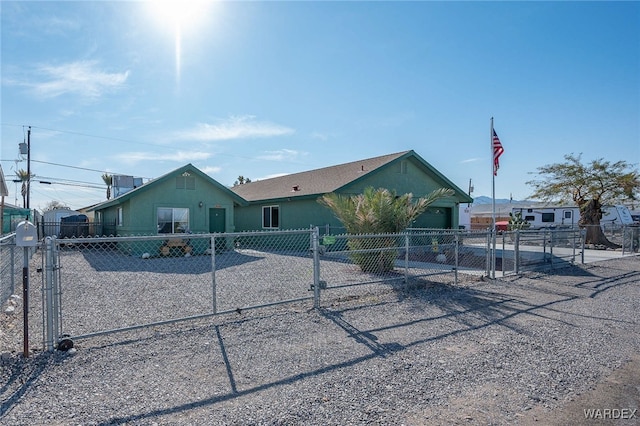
(217, 223)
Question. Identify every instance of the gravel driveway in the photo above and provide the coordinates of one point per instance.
(517, 350)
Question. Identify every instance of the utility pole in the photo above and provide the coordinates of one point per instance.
(28, 166)
(25, 148)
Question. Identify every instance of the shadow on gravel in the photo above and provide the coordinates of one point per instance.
(18, 383)
(471, 309)
(592, 279)
(468, 308)
(192, 265)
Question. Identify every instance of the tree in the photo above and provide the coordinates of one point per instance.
(590, 186)
(23, 175)
(241, 181)
(377, 211)
(517, 222)
(108, 180)
(54, 205)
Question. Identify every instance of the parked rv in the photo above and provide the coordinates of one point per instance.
(615, 216)
(549, 217)
(568, 217)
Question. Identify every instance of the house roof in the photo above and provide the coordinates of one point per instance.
(3, 184)
(328, 179)
(151, 184)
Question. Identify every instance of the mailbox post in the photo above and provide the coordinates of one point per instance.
(26, 237)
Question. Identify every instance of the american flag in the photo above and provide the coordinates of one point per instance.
(497, 152)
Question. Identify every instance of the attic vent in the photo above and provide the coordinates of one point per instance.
(295, 188)
(185, 182)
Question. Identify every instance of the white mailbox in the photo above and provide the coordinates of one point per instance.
(26, 234)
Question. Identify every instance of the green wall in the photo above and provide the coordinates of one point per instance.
(139, 212)
(301, 212)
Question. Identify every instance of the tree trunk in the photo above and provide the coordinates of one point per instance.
(590, 215)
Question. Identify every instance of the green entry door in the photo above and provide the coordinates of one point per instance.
(217, 221)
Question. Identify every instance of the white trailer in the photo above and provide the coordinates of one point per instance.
(615, 216)
(549, 217)
(568, 216)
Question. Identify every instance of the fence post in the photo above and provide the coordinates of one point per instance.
(50, 311)
(316, 267)
(488, 257)
(13, 267)
(456, 255)
(406, 260)
(552, 232)
(516, 252)
(504, 251)
(213, 275)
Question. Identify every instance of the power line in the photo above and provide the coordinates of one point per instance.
(80, 168)
(83, 134)
(120, 140)
(76, 167)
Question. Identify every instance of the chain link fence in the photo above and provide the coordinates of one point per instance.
(11, 262)
(523, 250)
(627, 237)
(99, 285)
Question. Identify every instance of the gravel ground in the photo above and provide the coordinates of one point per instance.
(516, 350)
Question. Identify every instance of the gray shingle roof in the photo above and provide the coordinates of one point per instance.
(313, 182)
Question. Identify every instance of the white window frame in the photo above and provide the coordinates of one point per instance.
(119, 216)
(175, 219)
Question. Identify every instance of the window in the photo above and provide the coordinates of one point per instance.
(548, 217)
(119, 219)
(173, 220)
(530, 218)
(270, 217)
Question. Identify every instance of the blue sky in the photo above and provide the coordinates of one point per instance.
(262, 89)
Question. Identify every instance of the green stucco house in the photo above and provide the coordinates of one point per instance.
(291, 201)
(182, 201)
(187, 200)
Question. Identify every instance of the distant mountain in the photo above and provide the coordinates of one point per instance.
(487, 200)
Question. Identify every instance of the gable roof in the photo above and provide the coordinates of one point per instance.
(153, 183)
(3, 185)
(330, 179)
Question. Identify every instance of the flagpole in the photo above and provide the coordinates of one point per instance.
(493, 204)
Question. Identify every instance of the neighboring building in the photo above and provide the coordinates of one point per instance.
(291, 201)
(11, 216)
(184, 200)
(51, 220)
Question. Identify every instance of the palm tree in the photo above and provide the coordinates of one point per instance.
(377, 212)
(241, 181)
(23, 176)
(108, 180)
